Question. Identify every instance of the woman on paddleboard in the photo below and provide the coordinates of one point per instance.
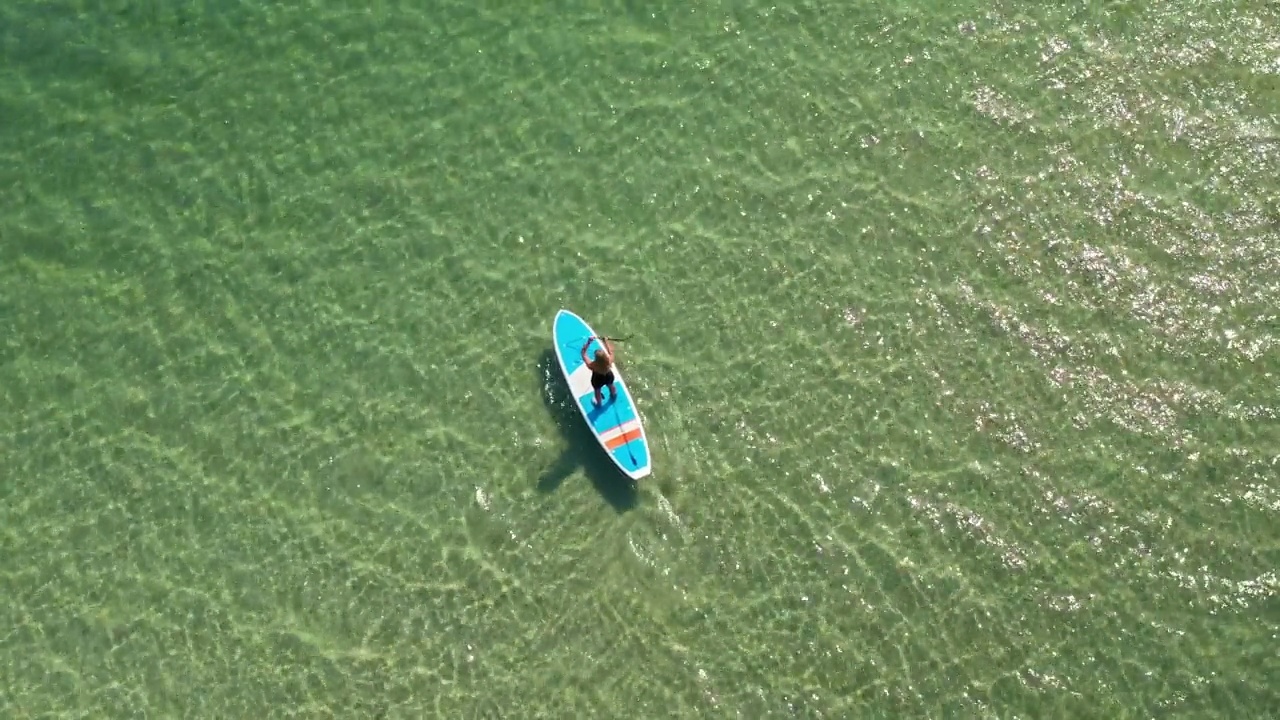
(601, 368)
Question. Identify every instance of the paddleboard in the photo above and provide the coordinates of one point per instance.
(615, 423)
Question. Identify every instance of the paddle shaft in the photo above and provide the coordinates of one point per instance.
(610, 339)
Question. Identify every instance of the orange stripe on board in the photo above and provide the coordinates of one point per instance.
(618, 441)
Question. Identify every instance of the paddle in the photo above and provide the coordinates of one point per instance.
(610, 339)
(574, 344)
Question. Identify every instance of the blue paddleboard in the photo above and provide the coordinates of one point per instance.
(614, 423)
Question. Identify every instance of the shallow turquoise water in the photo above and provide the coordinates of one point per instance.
(954, 331)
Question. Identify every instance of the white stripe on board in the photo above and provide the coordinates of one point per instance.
(625, 427)
(580, 381)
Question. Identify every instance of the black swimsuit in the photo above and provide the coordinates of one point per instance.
(598, 381)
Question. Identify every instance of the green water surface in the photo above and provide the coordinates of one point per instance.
(955, 334)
